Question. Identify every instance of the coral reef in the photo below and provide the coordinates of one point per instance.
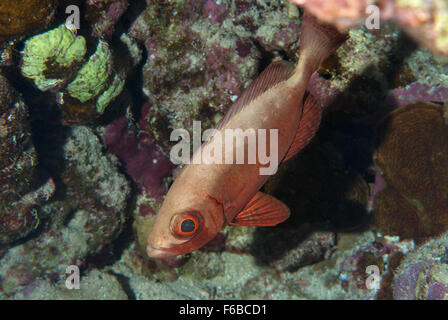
(387, 73)
(6, 53)
(313, 249)
(417, 92)
(232, 275)
(21, 191)
(87, 196)
(423, 274)
(80, 222)
(24, 17)
(143, 160)
(383, 253)
(96, 285)
(412, 156)
(192, 71)
(103, 15)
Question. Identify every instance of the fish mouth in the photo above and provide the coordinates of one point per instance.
(161, 252)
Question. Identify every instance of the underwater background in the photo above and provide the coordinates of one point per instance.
(85, 122)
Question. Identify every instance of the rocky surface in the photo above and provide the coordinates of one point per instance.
(82, 189)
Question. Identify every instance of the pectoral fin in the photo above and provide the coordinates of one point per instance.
(262, 210)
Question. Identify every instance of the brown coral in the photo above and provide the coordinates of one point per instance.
(18, 159)
(14, 139)
(413, 157)
(24, 16)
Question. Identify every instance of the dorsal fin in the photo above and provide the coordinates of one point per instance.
(275, 73)
(262, 210)
(308, 125)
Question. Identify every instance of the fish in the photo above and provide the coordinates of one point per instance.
(206, 197)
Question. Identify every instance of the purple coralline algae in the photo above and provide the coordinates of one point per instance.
(192, 71)
(357, 263)
(104, 15)
(423, 274)
(378, 185)
(214, 11)
(143, 160)
(416, 92)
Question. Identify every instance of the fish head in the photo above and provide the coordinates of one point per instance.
(179, 230)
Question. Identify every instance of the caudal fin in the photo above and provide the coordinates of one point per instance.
(317, 42)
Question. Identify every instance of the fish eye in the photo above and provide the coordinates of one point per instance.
(185, 225)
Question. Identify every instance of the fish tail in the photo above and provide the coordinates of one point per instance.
(317, 42)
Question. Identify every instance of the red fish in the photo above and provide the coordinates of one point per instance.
(205, 198)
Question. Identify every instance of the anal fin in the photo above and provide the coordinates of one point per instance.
(262, 210)
(308, 126)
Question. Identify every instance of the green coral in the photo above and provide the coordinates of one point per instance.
(59, 47)
(109, 94)
(48, 57)
(93, 76)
